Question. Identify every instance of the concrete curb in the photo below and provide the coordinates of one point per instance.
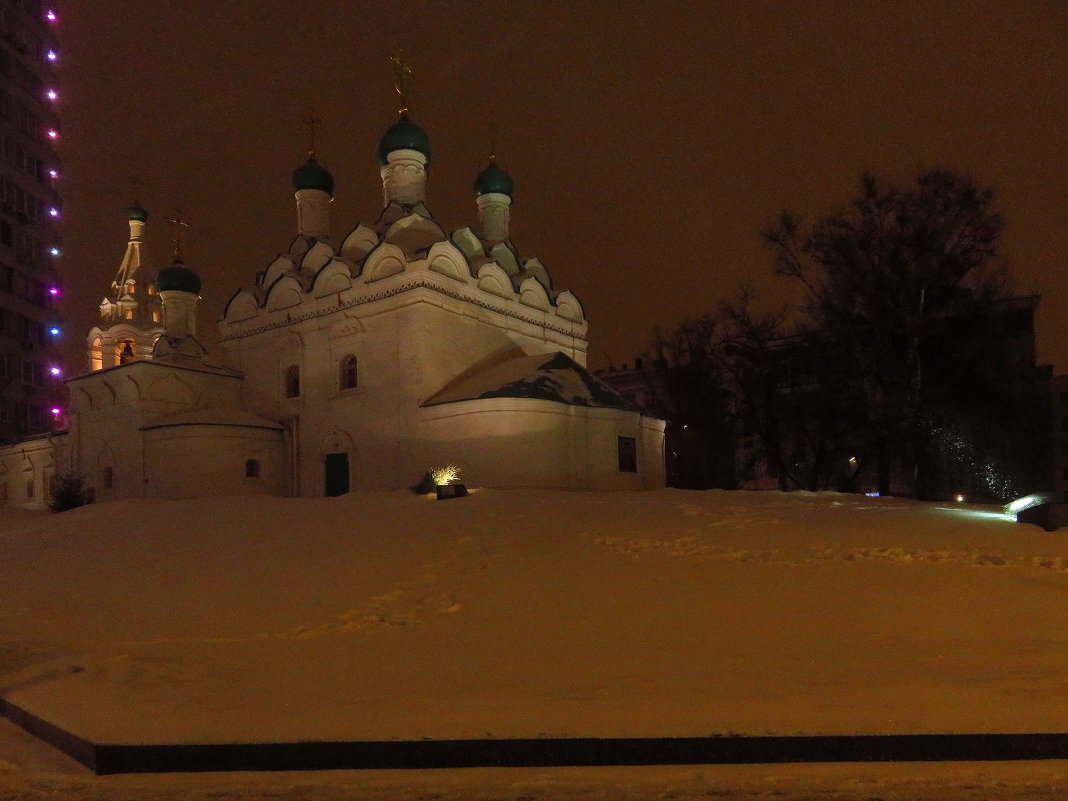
(108, 758)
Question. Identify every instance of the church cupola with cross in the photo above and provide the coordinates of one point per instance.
(313, 189)
(404, 150)
(131, 314)
(179, 290)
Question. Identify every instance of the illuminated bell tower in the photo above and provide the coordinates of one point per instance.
(131, 316)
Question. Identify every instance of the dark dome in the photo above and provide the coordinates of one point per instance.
(403, 135)
(179, 277)
(494, 179)
(313, 175)
(136, 212)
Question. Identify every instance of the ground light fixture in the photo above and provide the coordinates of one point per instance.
(447, 482)
(1036, 508)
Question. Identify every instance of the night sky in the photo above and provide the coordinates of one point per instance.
(650, 142)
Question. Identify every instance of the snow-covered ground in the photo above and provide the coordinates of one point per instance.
(532, 613)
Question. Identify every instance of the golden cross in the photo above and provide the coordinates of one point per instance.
(493, 141)
(402, 69)
(314, 126)
(178, 224)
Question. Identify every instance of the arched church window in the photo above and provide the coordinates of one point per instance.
(152, 289)
(107, 477)
(349, 373)
(96, 355)
(127, 352)
(291, 381)
(129, 314)
(252, 468)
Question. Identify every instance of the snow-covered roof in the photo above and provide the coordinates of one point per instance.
(544, 376)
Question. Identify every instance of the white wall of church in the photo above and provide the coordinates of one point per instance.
(195, 461)
(28, 469)
(408, 346)
(539, 443)
(109, 407)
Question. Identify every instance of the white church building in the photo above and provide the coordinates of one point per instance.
(352, 362)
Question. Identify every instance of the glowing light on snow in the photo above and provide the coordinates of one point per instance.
(872, 494)
(1026, 502)
(445, 475)
(960, 499)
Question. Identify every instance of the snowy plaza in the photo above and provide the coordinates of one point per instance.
(508, 614)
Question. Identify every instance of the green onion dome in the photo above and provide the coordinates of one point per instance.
(403, 135)
(136, 212)
(178, 277)
(313, 175)
(494, 179)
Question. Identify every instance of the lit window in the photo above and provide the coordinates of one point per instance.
(628, 454)
(252, 468)
(291, 380)
(349, 372)
(155, 316)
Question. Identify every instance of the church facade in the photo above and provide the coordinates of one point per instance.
(352, 362)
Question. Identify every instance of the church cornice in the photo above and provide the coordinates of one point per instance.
(293, 316)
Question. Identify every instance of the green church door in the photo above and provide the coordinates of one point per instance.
(337, 474)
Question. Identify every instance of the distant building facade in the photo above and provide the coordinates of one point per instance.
(30, 207)
(1007, 436)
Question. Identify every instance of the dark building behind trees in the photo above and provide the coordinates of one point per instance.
(909, 367)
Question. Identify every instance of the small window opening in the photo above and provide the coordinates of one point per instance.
(107, 479)
(349, 372)
(628, 454)
(292, 381)
(252, 468)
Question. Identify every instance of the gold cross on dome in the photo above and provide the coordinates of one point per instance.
(178, 223)
(314, 127)
(402, 69)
